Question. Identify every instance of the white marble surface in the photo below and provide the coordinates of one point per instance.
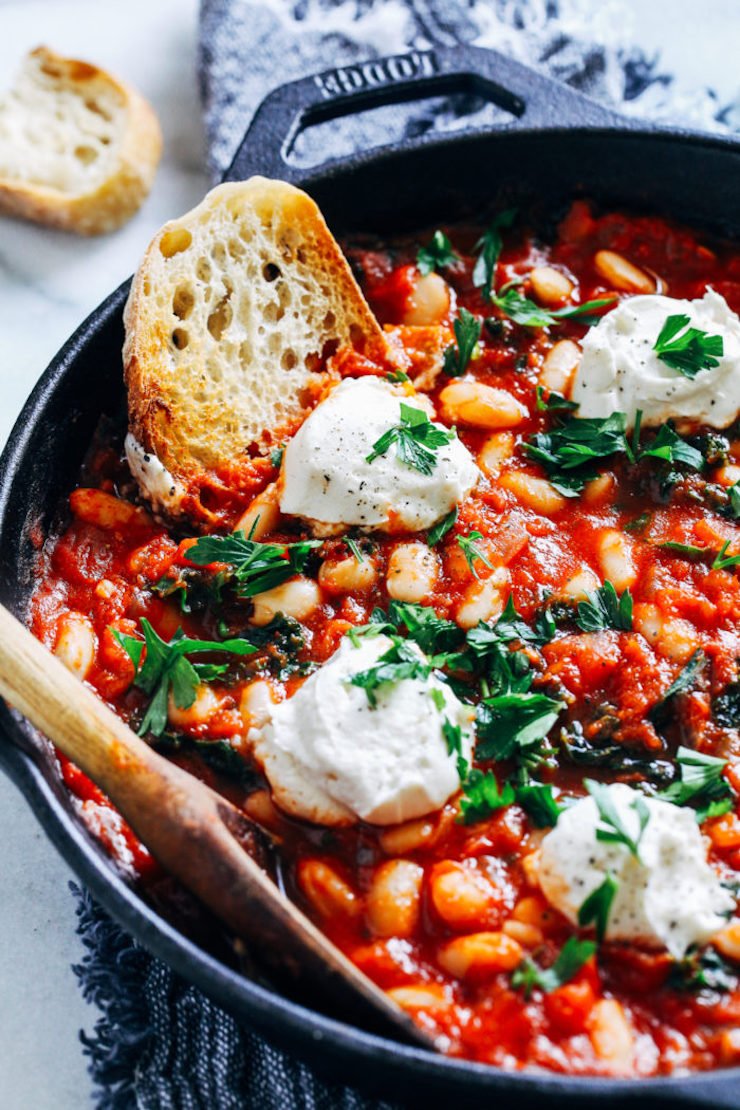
(48, 283)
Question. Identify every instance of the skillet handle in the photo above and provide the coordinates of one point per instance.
(533, 100)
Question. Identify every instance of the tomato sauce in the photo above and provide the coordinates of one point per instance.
(626, 1011)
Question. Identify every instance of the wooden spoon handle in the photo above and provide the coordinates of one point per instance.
(199, 837)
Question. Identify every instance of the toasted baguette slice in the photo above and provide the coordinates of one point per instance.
(229, 320)
(78, 147)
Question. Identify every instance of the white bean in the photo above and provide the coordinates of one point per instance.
(536, 493)
(199, 713)
(622, 274)
(559, 366)
(616, 559)
(255, 704)
(76, 643)
(297, 598)
(429, 303)
(262, 515)
(348, 575)
(580, 585)
(551, 287)
(394, 899)
(480, 406)
(412, 572)
(674, 638)
(495, 451)
(482, 601)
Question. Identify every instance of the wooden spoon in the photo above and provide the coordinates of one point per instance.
(209, 845)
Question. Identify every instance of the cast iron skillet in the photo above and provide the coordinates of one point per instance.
(555, 144)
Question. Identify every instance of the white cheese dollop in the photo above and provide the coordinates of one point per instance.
(327, 479)
(620, 372)
(330, 757)
(670, 897)
(153, 478)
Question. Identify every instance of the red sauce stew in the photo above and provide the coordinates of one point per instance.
(396, 899)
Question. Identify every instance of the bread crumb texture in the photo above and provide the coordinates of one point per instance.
(78, 148)
(230, 320)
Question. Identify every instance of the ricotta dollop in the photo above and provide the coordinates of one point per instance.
(327, 479)
(620, 372)
(153, 478)
(669, 898)
(332, 758)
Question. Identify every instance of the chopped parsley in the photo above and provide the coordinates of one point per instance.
(482, 796)
(529, 314)
(568, 452)
(701, 783)
(255, 567)
(688, 351)
(688, 550)
(703, 971)
(597, 907)
(683, 682)
(352, 546)
(165, 667)
(723, 561)
(434, 635)
(467, 328)
(436, 255)
(276, 455)
(472, 552)
(605, 609)
(733, 497)
(399, 662)
(417, 440)
(611, 828)
(554, 402)
(514, 724)
(571, 958)
(489, 248)
(440, 530)
(538, 801)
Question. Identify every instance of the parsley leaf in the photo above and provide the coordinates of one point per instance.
(166, 668)
(611, 828)
(702, 783)
(433, 634)
(436, 255)
(554, 402)
(733, 495)
(605, 609)
(482, 796)
(688, 550)
(571, 958)
(539, 803)
(473, 553)
(688, 351)
(668, 445)
(575, 445)
(467, 328)
(399, 662)
(680, 685)
(514, 723)
(723, 561)
(703, 971)
(416, 438)
(489, 249)
(529, 314)
(255, 566)
(441, 528)
(598, 905)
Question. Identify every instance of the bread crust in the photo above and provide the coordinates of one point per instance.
(120, 195)
(202, 394)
